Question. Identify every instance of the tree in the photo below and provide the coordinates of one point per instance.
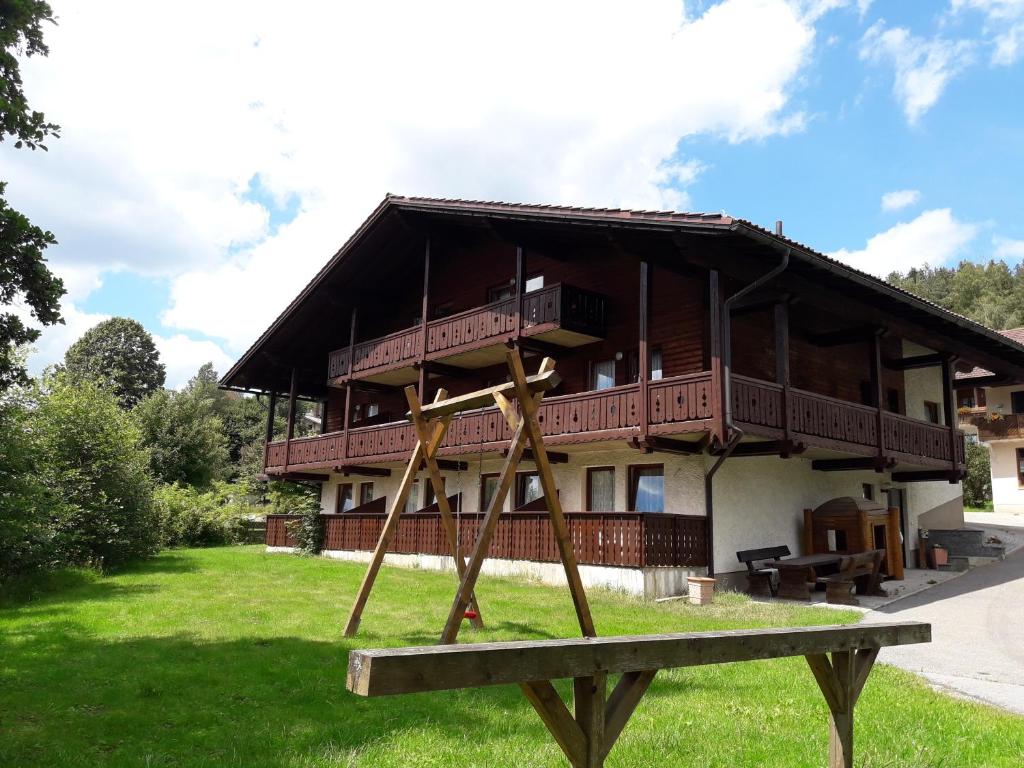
(120, 356)
(92, 462)
(978, 481)
(24, 275)
(184, 436)
(243, 418)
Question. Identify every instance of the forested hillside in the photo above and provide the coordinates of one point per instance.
(992, 293)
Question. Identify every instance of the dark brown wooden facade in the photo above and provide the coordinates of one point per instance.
(429, 292)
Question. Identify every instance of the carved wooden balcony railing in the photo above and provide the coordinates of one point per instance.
(627, 539)
(678, 405)
(560, 314)
(997, 427)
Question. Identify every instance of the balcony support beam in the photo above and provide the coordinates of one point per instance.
(876, 390)
(913, 363)
(540, 347)
(553, 456)
(652, 444)
(355, 469)
(292, 392)
(781, 323)
(644, 349)
(442, 369)
(845, 336)
(851, 465)
(949, 409)
(928, 476)
(715, 301)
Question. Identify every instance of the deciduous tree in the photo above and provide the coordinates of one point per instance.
(120, 356)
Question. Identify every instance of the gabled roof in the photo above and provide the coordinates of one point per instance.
(989, 344)
(1016, 334)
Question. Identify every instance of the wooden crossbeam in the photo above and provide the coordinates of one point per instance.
(840, 658)
(553, 456)
(542, 382)
(417, 669)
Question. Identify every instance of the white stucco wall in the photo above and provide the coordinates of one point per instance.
(922, 384)
(1007, 495)
(759, 501)
(997, 399)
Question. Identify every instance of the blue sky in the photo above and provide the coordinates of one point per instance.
(206, 172)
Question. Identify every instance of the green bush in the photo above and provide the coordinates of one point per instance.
(189, 518)
(89, 457)
(978, 482)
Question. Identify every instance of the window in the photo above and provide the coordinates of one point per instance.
(602, 375)
(345, 501)
(867, 490)
(365, 493)
(488, 487)
(429, 497)
(412, 504)
(534, 283)
(979, 397)
(600, 489)
(647, 488)
(501, 292)
(1020, 467)
(527, 488)
(931, 411)
(443, 310)
(867, 393)
(893, 397)
(656, 370)
(1017, 402)
(965, 398)
(372, 409)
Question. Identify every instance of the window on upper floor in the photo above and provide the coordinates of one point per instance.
(533, 283)
(867, 490)
(501, 292)
(1020, 467)
(656, 369)
(893, 399)
(931, 411)
(602, 374)
(1017, 402)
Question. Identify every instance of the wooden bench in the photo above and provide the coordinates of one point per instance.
(861, 569)
(587, 735)
(761, 580)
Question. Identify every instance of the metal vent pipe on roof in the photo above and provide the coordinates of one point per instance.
(778, 227)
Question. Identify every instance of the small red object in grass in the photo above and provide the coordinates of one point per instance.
(469, 615)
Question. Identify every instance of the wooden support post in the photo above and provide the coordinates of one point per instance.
(348, 420)
(949, 409)
(434, 473)
(528, 417)
(493, 514)
(425, 308)
(644, 353)
(716, 302)
(271, 408)
(589, 699)
(290, 433)
(892, 535)
(876, 389)
(520, 278)
(841, 681)
(391, 523)
(782, 368)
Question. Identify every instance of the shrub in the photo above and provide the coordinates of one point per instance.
(978, 481)
(190, 518)
(92, 463)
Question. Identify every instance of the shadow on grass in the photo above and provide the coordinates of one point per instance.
(178, 701)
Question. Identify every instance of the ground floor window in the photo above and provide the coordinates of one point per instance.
(1020, 467)
(412, 504)
(429, 497)
(345, 501)
(488, 487)
(365, 493)
(647, 488)
(600, 489)
(527, 488)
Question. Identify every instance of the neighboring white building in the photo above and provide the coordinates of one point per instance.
(993, 413)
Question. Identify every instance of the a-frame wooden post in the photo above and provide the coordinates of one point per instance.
(525, 428)
(425, 449)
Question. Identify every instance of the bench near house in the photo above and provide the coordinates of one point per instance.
(717, 380)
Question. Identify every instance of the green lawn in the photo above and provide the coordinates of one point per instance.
(231, 657)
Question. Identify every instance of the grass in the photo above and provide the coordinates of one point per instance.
(986, 508)
(231, 657)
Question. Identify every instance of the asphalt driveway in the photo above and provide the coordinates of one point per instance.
(977, 647)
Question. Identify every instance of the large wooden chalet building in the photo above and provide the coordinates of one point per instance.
(717, 379)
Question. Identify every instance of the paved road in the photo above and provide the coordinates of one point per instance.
(977, 647)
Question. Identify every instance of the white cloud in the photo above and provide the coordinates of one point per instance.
(922, 68)
(1004, 24)
(182, 357)
(900, 198)
(1005, 248)
(935, 237)
(863, 6)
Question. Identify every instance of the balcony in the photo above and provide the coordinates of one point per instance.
(624, 539)
(558, 314)
(680, 407)
(997, 426)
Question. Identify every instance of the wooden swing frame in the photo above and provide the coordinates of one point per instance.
(431, 423)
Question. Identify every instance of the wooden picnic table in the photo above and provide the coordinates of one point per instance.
(797, 574)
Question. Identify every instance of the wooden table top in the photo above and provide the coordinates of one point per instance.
(805, 561)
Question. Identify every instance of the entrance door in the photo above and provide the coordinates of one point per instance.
(898, 499)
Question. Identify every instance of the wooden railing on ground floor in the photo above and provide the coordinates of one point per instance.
(628, 539)
(675, 405)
